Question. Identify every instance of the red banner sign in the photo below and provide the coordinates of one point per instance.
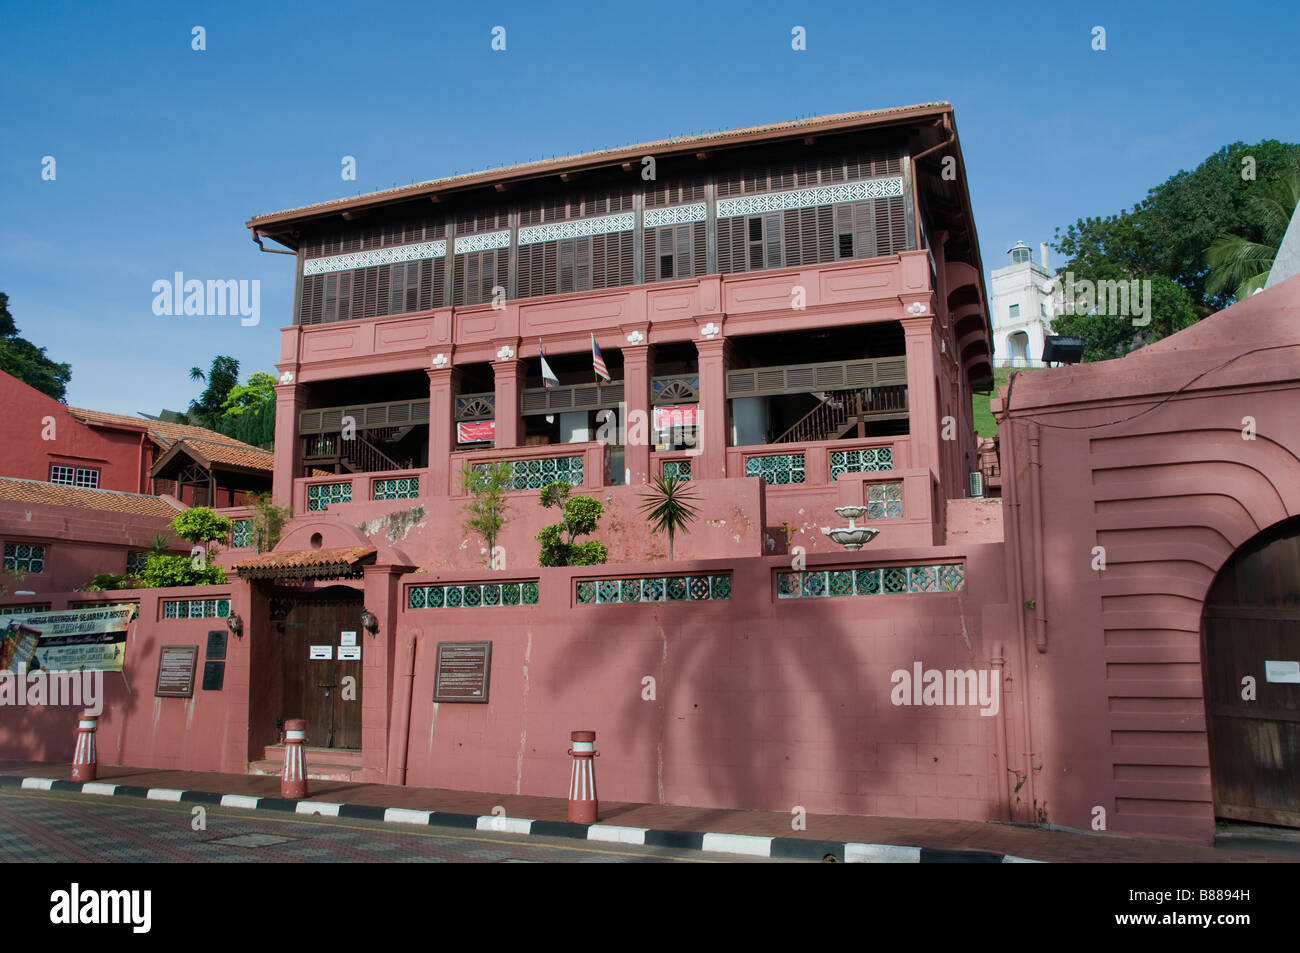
(479, 431)
(676, 415)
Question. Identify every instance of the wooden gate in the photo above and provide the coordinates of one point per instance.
(315, 688)
(1252, 617)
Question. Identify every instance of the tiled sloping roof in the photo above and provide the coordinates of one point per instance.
(714, 138)
(34, 491)
(161, 432)
(305, 563)
(235, 455)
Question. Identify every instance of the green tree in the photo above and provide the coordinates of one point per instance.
(578, 517)
(22, 359)
(201, 527)
(667, 504)
(486, 511)
(1107, 336)
(221, 378)
(1167, 233)
(1239, 264)
(268, 521)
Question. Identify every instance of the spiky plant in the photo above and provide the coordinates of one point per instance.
(668, 505)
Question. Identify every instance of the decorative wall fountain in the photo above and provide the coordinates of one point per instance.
(854, 537)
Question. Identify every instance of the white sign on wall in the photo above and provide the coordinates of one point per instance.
(1285, 672)
(349, 653)
(347, 638)
(322, 652)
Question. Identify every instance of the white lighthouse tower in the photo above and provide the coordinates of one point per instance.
(1021, 312)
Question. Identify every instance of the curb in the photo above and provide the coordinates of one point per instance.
(797, 848)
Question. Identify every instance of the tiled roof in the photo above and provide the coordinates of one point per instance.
(677, 143)
(51, 494)
(161, 432)
(305, 563)
(235, 455)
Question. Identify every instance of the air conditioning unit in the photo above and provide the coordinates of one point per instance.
(976, 483)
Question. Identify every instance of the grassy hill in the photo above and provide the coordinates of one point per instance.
(985, 425)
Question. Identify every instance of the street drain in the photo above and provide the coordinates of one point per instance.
(252, 840)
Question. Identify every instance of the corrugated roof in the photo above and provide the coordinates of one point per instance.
(604, 156)
(52, 494)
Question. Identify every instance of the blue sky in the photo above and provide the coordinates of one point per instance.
(162, 152)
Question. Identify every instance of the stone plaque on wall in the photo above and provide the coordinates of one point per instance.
(176, 666)
(464, 670)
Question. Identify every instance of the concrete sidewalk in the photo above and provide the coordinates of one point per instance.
(841, 836)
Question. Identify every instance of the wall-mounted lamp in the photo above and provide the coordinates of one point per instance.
(369, 621)
(235, 625)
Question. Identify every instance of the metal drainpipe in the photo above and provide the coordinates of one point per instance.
(1036, 514)
(1011, 487)
(997, 660)
(271, 251)
(408, 690)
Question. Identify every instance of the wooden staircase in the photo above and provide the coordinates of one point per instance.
(361, 454)
(841, 411)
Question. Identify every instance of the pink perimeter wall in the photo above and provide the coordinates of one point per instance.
(759, 702)
(208, 732)
(1146, 457)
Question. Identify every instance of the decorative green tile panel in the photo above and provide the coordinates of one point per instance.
(654, 589)
(535, 474)
(398, 488)
(861, 461)
(321, 495)
(242, 535)
(884, 501)
(677, 470)
(946, 577)
(472, 595)
(196, 608)
(777, 469)
(22, 557)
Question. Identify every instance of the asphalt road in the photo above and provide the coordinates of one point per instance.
(63, 827)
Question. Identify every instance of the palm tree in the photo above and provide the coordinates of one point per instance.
(667, 505)
(1241, 265)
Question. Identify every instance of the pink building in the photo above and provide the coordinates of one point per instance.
(804, 302)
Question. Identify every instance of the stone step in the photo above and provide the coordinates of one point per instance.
(341, 757)
(316, 771)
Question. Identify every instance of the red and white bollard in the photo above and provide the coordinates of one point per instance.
(583, 807)
(293, 785)
(83, 761)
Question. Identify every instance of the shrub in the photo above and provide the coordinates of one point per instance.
(579, 516)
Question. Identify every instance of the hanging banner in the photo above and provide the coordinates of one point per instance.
(66, 640)
(478, 431)
(676, 415)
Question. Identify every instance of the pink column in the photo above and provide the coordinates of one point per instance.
(289, 400)
(922, 410)
(714, 357)
(636, 394)
(510, 375)
(443, 383)
(383, 589)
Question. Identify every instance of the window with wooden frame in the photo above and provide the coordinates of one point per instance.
(477, 274)
(86, 477)
(676, 251)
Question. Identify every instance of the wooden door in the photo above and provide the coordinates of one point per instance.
(1252, 616)
(317, 689)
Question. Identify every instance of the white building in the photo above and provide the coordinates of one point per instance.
(1021, 309)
